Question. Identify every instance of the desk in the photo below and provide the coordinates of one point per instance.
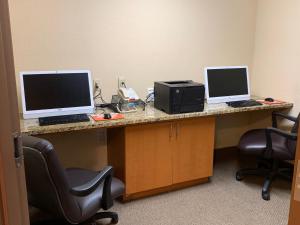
(154, 152)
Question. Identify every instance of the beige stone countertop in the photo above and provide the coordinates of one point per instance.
(149, 115)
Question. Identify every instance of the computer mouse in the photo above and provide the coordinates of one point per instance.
(107, 116)
(269, 99)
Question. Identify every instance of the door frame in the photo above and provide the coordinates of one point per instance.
(13, 196)
(294, 216)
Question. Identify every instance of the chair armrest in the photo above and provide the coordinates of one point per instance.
(105, 176)
(285, 134)
(270, 130)
(278, 114)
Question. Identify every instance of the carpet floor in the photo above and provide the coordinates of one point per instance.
(222, 201)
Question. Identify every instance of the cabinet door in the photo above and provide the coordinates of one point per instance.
(193, 155)
(148, 157)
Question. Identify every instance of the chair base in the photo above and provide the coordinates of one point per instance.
(103, 215)
(93, 221)
(270, 170)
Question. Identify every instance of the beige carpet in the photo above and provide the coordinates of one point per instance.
(223, 201)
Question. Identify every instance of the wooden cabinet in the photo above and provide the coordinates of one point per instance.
(152, 158)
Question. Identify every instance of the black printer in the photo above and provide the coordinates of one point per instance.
(179, 96)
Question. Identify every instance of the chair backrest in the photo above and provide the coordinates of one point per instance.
(47, 185)
(291, 144)
(296, 125)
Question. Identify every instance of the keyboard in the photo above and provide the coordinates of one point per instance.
(63, 119)
(245, 103)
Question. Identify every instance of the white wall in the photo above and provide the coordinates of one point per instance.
(142, 40)
(276, 70)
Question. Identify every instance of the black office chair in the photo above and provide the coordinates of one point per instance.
(72, 195)
(272, 146)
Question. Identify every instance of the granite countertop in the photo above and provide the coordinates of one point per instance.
(149, 115)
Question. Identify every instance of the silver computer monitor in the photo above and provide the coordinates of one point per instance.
(227, 84)
(54, 93)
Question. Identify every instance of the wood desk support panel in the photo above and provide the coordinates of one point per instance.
(158, 157)
(116, 151)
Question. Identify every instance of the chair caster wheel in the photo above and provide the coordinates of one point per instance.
(265, 196)
(115, 220)
(239, 176)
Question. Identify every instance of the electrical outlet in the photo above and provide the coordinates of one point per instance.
(121, 82)
(97, 84)
(150, 94)
(150, 90)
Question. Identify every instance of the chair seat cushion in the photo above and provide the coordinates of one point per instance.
(90, 204)
(254, 142)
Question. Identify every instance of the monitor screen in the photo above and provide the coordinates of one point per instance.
(58, 91)
(227, 84)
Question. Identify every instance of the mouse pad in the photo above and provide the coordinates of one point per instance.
(114, 116)
(275, 102)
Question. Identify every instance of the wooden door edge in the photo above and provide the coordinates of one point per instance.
(3, 200)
